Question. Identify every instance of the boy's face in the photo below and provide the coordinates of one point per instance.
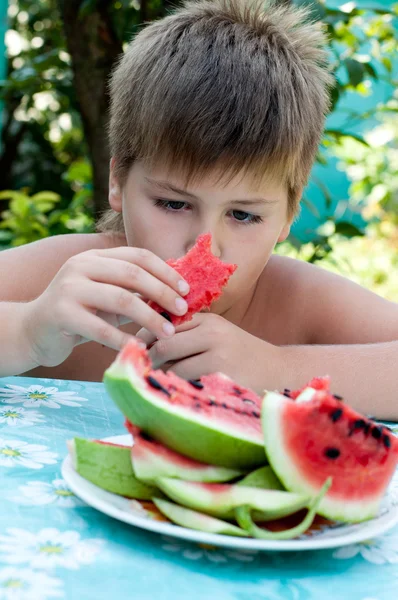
(162, 215)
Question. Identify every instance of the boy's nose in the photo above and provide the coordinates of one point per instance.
(215, 246)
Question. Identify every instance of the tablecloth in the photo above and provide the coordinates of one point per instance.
(52, 545)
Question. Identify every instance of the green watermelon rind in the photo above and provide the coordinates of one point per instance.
(185, 517)
(109, 467)
(284, 467)
(181, 429)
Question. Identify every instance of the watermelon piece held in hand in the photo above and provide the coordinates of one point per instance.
(313, 435)
(214, 420)
(206, 275)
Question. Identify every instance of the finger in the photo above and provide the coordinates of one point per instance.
(149, 262)
(194, 367)
(91, 328)
(118, 301)
(146, 336)
(135, 278)
(180, 346)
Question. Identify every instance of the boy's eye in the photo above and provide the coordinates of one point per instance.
(175, 205)
(245, 217)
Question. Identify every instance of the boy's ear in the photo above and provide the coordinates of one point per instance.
(115, 191)
(284, 233)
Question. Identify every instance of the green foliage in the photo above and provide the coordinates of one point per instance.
(30, 218)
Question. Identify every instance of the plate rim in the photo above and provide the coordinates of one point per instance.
(85, 490)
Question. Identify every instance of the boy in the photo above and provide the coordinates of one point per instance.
(217, 111)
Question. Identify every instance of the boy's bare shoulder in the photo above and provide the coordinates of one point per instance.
(27, 270)
(324, 307)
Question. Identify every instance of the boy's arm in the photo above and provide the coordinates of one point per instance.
(27, 270)
(15, 354)
(365, 375)
(352, 336)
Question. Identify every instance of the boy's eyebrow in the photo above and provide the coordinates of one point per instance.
(166, 186)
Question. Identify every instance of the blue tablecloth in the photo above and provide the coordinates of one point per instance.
(52, 545)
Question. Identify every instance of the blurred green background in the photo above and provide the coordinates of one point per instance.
(54, 153)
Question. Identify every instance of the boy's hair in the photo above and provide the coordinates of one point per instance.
(232, 86)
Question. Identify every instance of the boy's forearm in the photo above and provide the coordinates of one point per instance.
(15, 354)
(365, 375)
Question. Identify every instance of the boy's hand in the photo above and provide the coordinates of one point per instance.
(89, 294)
(209, 343)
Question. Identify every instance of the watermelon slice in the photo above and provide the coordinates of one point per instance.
(151, 460)
(108, 466)
(206, 275)
(220, 499)
(316, 436)
(213, 420)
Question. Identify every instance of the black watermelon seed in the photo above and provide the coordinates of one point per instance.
(332, 452)
(248, 401)
(196, 383)
(287, 391)
(337, 397)
(237, 391)
(225, 405)
(386, 441)
(256, 414)
(197, 405)
(212, 403)
(165, 315)
(359, 424)
(366, 428)
(155, 384)
(336, 414)
(376, 433)
(286, 394)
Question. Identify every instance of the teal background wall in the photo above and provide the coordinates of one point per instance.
(336, 181)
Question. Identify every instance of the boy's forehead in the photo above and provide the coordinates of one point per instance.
(217, 179)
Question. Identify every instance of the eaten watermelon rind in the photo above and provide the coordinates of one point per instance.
(182, 430)
(290, 476)
(109, 467)
(151, 460)
(185, 517)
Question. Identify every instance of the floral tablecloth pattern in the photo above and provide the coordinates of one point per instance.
(52, 545)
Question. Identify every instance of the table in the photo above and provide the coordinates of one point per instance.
(52, 545)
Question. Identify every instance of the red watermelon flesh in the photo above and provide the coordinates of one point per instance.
(316, 436)
(206, 275)
(215, 396)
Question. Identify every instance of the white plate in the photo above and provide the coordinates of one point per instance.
(131, 512)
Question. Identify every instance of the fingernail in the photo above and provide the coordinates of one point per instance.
(168, 328)
(181, 305)
(183, 287)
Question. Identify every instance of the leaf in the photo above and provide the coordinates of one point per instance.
(371, 71)
(355, 70)
(348, 229)
(339, 133)
(46, 197)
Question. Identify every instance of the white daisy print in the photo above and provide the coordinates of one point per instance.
(378, 551)
(19, 417)
(207, 551)
(15, 453)
(48, 548)
(41, 492)
(25, 584)
(37, 395)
